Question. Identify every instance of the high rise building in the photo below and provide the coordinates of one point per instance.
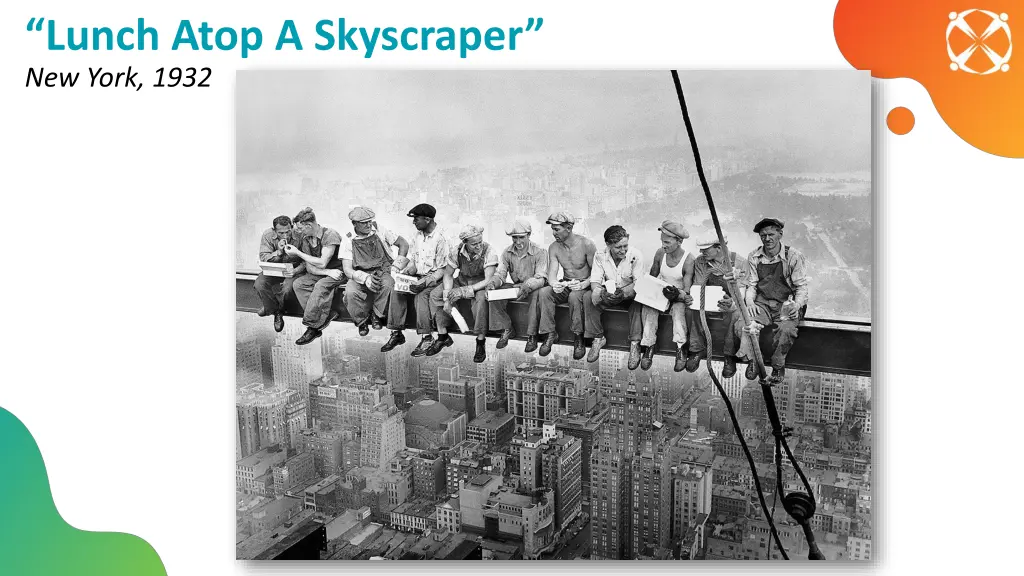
(634, 408)
(262, 417)
(586, 429)
(326, 448)
(538, 395)
(561, 468)
(383, 435)
(461, 393)
(295, 367)
(427, 370)
(248, 362)
(342, 399)
(610, 479)
(650, 498)
(691, 495)
(428, 475)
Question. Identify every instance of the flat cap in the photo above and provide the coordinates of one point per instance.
(768, 222)
(361, 214)
(470, 230)
(561, 218)
(518, 227)
(423, 210)
(674, 228)
(710, 240)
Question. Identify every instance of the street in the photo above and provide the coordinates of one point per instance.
(577, 546)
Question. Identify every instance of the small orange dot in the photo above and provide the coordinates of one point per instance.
(900, 120)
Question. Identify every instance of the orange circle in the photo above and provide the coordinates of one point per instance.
(900, 120)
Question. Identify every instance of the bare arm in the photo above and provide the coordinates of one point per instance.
(488, 276)
(325, 256)
(552, 264)
(688, 273)
(656, 265)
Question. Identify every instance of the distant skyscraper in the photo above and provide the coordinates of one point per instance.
(383, 435)
(262, 418)
(295, 367)
(248, 363)
(540, 394)
(609, 500)
(461, 393)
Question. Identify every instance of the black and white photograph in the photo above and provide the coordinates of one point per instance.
(553, 315)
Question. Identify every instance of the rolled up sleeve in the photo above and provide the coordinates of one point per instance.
(799, 279)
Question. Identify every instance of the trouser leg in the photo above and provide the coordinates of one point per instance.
(398, 303)
(424, 315)
(548, 299)
(318, 304)
(498, 313)
(480, 313)
(436, 303)
(533, 313)
(357, 301)
(269, 289)
(635, 316)
(649, 317)
(680, 322)
(303, 287)
(762, 317)
(381, 298)
(785, 335)
(577, 310)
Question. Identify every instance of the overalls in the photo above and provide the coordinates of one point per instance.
(470, 272)
(371, 256)
(772, 293)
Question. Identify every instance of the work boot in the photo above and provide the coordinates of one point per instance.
(751, 373)
(481, 352)
(578, 348)
(506, 334)
(531, 343)
(549, 341)
(397, 339)
(595, 348)
(376, 323)
(728, 370)
(634, 355)
(278, 321)
(364, 328)
(308, 336)
(648, 358)
(778, 374)
(693, 362)
(423, 346)
(443, 341)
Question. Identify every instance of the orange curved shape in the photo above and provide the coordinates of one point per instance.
(961, 55)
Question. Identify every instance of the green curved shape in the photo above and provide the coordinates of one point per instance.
(34, 539)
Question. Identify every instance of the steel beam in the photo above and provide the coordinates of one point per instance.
(840, 347)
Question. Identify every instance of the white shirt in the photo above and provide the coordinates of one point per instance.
(625, 273)
(430, 252)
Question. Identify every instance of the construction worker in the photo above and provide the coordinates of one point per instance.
(428, 256)
(775, 294)
(476, 262)
(274, 290)
(674, 265)
(315, 289)
(616, 270)
(525, 263)
(575, 255)
(366, 259)
(710, 269)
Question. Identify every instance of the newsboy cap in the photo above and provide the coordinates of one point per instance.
(361, 214)
(768, 222)
(710, 240)
(470, 230)
(518, 227)
(423, 210)
(561, 218)
(674, 228)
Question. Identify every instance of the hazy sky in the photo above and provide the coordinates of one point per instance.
(290, 120)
